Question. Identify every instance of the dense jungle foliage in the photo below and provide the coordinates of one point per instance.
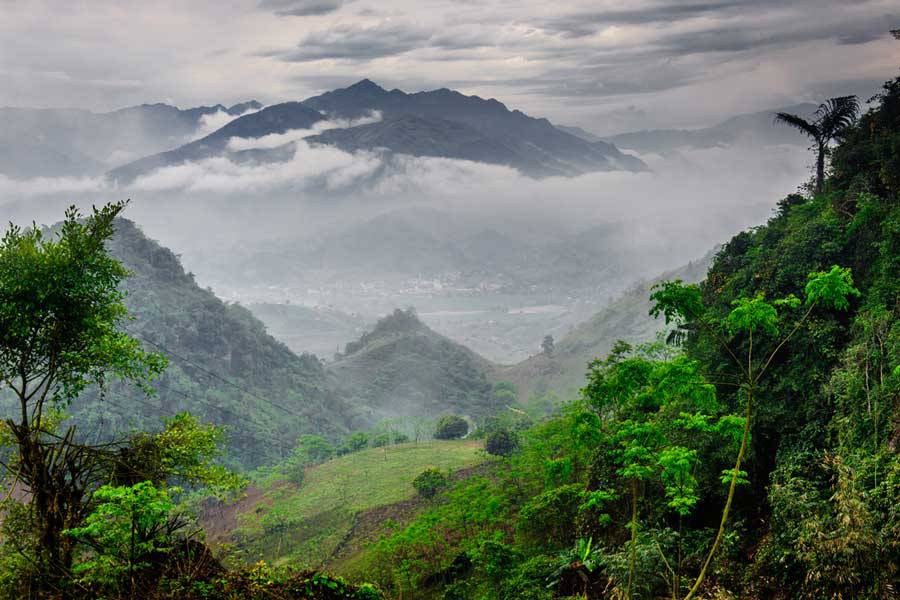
(656, 484)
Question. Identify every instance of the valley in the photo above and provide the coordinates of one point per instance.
(347, 300)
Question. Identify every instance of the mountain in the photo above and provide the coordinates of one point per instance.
(69, 142)
(580, 132)
(402, 368)
(441, 123)
(223, 366)
(757, 128)
(274, 119)
(418, 136)
(626, 318)
(541, 148)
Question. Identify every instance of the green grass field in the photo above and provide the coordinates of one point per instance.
(287, 525)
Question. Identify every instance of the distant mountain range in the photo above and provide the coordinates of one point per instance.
(134, 141)
(61, 142)
(441, 123)
(757, 128)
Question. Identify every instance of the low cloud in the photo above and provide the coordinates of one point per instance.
(215, 121)
(275, 140)
(687, 204)
(12, 190)
(311, 168)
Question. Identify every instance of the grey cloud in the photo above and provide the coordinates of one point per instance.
(465, 39)
(583, 24)
(386, 38)
(750, 36)
(356, 42)
(301, 8)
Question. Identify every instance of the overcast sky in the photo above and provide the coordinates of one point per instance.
(609, 66)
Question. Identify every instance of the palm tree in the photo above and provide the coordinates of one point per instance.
(832, 118)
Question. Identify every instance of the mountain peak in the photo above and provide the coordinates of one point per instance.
(366, 85)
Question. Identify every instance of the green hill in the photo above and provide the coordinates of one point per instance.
(341, 503)
(223, 366)
(403, 368)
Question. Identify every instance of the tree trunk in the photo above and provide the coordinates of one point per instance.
(632, 562)
(820, 169)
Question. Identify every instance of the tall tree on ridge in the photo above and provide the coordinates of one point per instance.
(832, 117)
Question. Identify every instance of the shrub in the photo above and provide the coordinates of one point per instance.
(501, 443)
(451, 427)
(429, 481)
(295, 471)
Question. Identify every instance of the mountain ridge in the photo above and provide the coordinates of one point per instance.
(443, 123)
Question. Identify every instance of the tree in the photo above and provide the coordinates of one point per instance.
(357, 441)
(833, 117)
(129, 524)
(429, 481)
(547, 345)
(637, 396)
(314, 447)
(683, 305)
(451, 427)
(60, 306)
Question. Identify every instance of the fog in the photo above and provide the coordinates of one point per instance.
(365, 232)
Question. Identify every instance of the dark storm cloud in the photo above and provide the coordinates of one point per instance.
(301, 8)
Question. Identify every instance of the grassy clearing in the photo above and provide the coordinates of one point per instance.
(304, 526)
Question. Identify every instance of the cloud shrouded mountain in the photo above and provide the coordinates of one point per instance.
(64, 142)
(531, 145)
(276, 119)
(440, 123)
(758, 128)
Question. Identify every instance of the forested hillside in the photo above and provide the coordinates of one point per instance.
(223, 366)
(560, 372)
(752, 455)
(403, 368)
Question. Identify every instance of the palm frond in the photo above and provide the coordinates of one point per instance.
(837, 114)
(797, 122)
